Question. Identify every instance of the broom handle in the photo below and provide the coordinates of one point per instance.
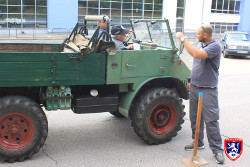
(198, 122)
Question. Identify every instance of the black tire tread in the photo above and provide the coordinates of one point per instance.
(140, 111)
(35, 109)
(224, 54)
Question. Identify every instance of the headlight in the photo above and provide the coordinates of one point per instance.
(231, 47)
(94, 92)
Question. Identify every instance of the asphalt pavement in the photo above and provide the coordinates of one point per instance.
(102, 140)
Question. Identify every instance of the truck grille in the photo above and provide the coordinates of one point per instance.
(240, 47)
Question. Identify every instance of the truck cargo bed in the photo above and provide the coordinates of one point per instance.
(48, 68)
(30, 47)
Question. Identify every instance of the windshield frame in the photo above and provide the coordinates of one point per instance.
(147, 21)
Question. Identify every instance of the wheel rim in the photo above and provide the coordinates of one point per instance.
(16, 131)
(162, 118)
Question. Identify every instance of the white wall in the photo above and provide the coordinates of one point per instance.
(169, 12)
(193, 14)
(206, 12)
(224, 18)
(196, 14)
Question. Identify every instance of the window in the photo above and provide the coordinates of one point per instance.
(225, 6)
(222, 27)
(23, 13)
(180, 15)
(120, 12)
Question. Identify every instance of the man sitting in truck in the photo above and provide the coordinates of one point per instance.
(119, 35)
(102, 26)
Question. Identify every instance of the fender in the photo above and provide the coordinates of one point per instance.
(139, 87)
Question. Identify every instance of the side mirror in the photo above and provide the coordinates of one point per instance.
(222, 39)
(137, 21)
(153, 22)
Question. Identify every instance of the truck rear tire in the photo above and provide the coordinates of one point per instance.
(158, 115)
(23, 128)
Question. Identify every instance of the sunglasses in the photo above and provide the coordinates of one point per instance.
(203, 29)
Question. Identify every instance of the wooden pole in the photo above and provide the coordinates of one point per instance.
(198, 123)
(196, 161)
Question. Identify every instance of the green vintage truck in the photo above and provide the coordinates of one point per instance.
(146, 85)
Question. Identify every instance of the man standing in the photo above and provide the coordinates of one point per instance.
(204, 78)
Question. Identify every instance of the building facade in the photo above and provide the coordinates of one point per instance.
(223, 15)
(23, 13)
(184, 15)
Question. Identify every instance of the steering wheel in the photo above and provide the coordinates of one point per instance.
(128, 37)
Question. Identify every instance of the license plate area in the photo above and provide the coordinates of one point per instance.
(243, 52)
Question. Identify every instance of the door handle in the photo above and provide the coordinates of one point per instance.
(129, 66)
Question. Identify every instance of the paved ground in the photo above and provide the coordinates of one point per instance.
(101, 140)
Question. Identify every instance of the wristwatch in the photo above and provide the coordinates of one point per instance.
(182, 39)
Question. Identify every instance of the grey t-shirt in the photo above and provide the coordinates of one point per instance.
(119, 44)
(205, 72)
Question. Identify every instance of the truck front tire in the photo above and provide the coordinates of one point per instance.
(158, 115)
(23, 128)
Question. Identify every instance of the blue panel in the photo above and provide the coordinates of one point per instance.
(62, 13)
(244, 16)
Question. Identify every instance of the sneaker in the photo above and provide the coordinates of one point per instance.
(219, 158)
(190, 147)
